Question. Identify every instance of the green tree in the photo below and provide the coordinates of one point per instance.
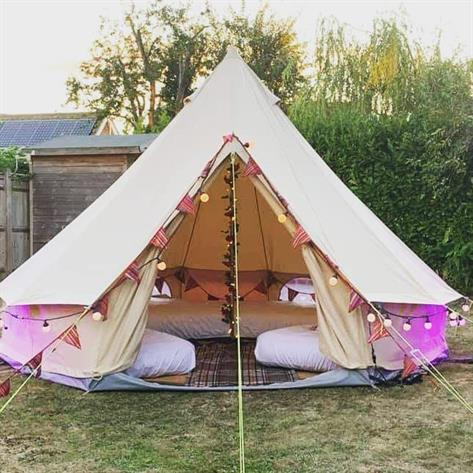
(142, 69)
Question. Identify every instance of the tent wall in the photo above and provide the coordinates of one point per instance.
(107, 347)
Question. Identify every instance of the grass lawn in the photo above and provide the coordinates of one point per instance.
(51, 428)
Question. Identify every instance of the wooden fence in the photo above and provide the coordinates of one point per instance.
(14, 223)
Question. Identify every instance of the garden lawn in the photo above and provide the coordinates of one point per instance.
(416, 429)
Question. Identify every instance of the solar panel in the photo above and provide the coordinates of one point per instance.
(32, 132)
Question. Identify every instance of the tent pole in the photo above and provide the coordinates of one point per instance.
(237, 319)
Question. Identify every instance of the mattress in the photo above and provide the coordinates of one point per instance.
(295, 347)
(162, 354)
(196, 320)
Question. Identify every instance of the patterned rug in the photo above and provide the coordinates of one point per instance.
(217, 364)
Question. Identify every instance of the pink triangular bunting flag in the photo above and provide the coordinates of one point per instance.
(186, 205)
(211, 298)
(191, 283)
(261, 288)
(132, 272)
(355, 301)
(35, 363)
(251, 168)
(102, 306)
(378, 331)
(5, 388)
(409, 366)
(228, 138)
(71, 337)
(207, 168)
(291, 294)
(300, 237)
(160, 239)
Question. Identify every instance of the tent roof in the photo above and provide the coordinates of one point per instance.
(87, 256)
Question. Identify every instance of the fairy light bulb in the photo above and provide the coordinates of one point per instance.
(387, 322)
(46, 327)
(453, 316)
(461, 321)
(333, 281)
(282, 218)
(427, 324)
(97, 316)
(371, 317)
(162, 265)
(453, 323)
(465, 307)
(204, 197)
(406, 326)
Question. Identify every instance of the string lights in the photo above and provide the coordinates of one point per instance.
(333, 281)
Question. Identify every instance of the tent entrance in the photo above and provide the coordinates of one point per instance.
(266, 260)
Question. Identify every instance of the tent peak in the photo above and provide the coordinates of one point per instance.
(232, 53)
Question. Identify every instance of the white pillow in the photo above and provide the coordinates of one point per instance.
(294, 347)
(160, 354)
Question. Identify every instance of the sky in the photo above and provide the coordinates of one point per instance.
(43, 42)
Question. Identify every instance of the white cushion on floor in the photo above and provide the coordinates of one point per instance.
(294, 347)
(160, 354)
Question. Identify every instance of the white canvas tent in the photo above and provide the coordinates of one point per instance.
(82, 262)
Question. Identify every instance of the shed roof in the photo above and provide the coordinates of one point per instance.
(94, 144)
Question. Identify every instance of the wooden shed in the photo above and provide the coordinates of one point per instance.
(70, 172)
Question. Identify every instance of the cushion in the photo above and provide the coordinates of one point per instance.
(294, 347)
(160, 354)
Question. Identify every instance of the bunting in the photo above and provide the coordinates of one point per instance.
(228, 138)
(355, 301)
(300, 237)
(35, 364)
(102, 306)
(132, 272)
(378, 331)
(186, 205)
(212, 298)
(261, 288)
(71, 337)
(181, 275)
(251, 168)
(191, 283)
(159, 284)
(409, 366)
(291, 294)
(5, 388)
(206, 170)
(160, 239)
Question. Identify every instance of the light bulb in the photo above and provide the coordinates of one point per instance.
(465, 307)
(461, 321)
(406, 326)
(387, 322)
(333, 281)
(453, 323)
(371, 317)
(453, 316)
(97, 316)
(282, 218)
(427, 324)
(46, 327)
(162, 266)
(204, 197)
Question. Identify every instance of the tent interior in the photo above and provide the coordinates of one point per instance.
(166, 330)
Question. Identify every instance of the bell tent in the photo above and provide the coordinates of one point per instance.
(82, 306)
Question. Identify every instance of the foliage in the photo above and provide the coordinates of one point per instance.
(14, 160)
(142, 69)
(396, 124)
